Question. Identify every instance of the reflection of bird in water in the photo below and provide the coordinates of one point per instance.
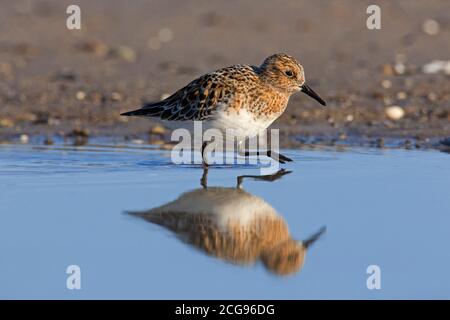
(234, 225)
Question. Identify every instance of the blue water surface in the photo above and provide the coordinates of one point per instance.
(62, 206)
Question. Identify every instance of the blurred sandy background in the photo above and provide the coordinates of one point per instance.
(57, 82)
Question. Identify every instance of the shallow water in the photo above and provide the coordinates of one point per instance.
(62, 206)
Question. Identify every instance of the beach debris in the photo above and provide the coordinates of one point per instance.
(116, 96)
(388, 70)
(431, 27)
(395, 112)
(437, 66)
(96, 47)
(401, 95)
(157, 130)
(349, 118)
(48, 141)
(24, 138)
(432, 96)
(386, 84)
(80, 95)
(6, 123)
(399, 66)
(124, 52)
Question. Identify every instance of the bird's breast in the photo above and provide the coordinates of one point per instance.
(242, 123)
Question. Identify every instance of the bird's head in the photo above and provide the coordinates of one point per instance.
(286, 74)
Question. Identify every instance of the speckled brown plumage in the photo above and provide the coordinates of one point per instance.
(232, 225)
(262, 92)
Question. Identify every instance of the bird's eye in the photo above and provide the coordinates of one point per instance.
(289, 73)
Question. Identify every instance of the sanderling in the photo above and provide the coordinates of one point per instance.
(241, 98)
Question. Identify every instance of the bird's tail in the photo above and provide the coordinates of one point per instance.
(148, 110)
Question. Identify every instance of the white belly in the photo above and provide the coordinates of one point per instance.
(241, 124)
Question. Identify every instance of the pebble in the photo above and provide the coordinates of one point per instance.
(388, 70)
(432, 96)
(24, 138)
(395, 112)
(116, 96)
(96, 47)
(401, 95)
(125, 53)
(437, 66)
(157, 130)
(386, 84)
(431, 27)
(6, 123)
(399, 68)
(80, 95)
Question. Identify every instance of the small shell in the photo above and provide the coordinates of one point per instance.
(395, 112)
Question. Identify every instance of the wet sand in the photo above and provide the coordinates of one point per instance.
(60, 83)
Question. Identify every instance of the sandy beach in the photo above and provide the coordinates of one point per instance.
(56, 82)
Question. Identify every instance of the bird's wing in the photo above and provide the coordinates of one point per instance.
(196, 101)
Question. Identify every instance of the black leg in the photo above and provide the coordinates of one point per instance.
(269, 177)
(204, 179)
(271, 154)
(205, 164)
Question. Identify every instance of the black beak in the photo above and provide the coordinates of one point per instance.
(316, 236)
(310, 92)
